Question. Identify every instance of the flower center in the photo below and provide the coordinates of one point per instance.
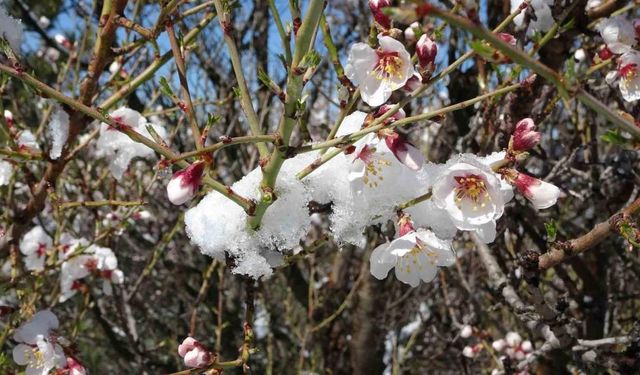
(372, 166)
(629, 71)
(412, 258)
(91, 265)
(389, 65)
(471, 187)
(38, 357)
(42, 248)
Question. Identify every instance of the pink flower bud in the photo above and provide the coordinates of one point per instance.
(376, 7)
(63, 41)
(406, 153)
(8, 116)
(426, 49)
(400, 114)
(75, 367)
(541, 194)
(605, 54)
(194, 353)
(405, 225)
(185, 183)
(508, 38)
(471, 351)
(524, 136)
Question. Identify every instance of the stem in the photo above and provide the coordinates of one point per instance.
(304, 39)
(283, 35)
(236, 62)
(225, 143)
(149, 72)
(414, 201)
(184, 84)
(353, 137)
(135, 136)
(111, 202)
(522, 58)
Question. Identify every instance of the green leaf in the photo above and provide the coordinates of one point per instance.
(614, 137)
(165, 88)
(482, 49)
(552, 230)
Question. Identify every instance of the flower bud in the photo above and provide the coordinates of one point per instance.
(513, 339)
(63, 41)
(426, 49)
(524, 136)
(194, 354)
(580, 54)
(405, 225)
(8, 116)
(185, 183)
(44, 22)
(499, 345)
(526, 346)
(605, 54)
(466, 331)
(508, 38)
(541, 194)
(376, 7)
(75, 367)
(468, 352)
(399, 115)
(410, 32)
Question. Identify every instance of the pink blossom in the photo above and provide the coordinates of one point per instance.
(194, 353)
(185, 183)
(524, 136)
(426, 49)
(404, 151)
(376, 7)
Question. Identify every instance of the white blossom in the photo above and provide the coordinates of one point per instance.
(472, 194)
(543, 18)
(26, 140)
(415, 256)
(5, 172)
(34, 247)
(378, 72)
(37, 348)
(93, 260)
(628, 72)
(118, 147)
(618, 33)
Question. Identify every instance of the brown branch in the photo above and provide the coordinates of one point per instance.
(565, 250)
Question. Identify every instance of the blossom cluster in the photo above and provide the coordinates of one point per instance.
(512, 347)
(369, 182)
(621, 37)
(79, 259)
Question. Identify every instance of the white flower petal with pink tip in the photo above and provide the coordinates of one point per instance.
(541, 194)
